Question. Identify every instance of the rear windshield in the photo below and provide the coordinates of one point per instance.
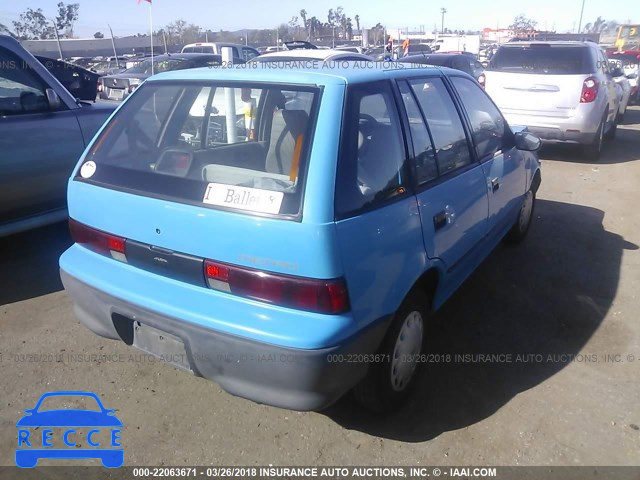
(144, 67)
(237, 146)
(543, 58)
(205, 49)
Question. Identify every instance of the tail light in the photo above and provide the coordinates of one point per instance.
(589, 90)
(482, 80)
(321, 296)
(98, 241)
(132, 88)
(99, 86)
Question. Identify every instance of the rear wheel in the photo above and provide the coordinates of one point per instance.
(611, 134)
(390, 381)
(594, 149)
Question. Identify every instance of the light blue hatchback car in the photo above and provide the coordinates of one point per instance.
(286, 232)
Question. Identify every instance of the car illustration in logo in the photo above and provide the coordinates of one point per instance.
(36, 432)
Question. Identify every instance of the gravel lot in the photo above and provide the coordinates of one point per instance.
(566, 301)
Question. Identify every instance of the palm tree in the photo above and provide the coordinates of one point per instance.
(303, 16)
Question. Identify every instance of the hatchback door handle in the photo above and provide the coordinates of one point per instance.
(439, 220)
(495, 184)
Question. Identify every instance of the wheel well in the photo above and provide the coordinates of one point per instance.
(427, 284)
(535, 183)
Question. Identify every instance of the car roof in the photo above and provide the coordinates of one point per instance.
(302, 73)
(184, 56)
(568, 43)
(213, 44)
(311, 54)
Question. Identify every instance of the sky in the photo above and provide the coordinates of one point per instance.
(128, 17)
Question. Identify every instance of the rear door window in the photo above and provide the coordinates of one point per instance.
(242, 147)
(372, 164)
(488, 128)
(449, 138)
(543, 58)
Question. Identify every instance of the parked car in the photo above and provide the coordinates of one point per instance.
(109, 66)
(563, 91)
(373, 199)
(463, 62)
(242, 52)
(623, 88)
(630, 64)
(120, 86)
(319, 55)
(80, 82)
(43, 131)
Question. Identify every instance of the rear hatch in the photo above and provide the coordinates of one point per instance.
(203, 183)
(539, 78)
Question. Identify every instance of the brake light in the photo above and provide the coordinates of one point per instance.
(482, 80)
(99, 86)
(98, 241)
(589, 90)
(316, 295)
(132, 88)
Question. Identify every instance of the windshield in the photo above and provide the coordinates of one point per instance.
(242, 147)
(543, 59)
(144, 67)
(66, 402)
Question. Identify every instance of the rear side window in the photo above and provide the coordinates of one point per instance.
(371, 167)
(241, 147)
(544, 59)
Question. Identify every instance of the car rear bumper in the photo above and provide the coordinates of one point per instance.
(580, 129)
(297, 379)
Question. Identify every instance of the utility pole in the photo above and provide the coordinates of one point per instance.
(55, 29)
(113, 44)
(442, 11)
(580, 22)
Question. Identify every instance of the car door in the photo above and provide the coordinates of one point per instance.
(377, 221)
(502, 164)
(610, 86)
(38, 146)
(451, 189)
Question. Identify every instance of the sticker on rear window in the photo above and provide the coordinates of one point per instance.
(88, 169)
(244, 198)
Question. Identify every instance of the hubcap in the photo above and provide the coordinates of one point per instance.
(407, 348)
(525, 211)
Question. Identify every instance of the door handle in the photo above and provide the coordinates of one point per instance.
(439, 220)
(495, 184)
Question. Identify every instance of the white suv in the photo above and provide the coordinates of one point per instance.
(562, 91)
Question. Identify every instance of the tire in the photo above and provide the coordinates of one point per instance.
(611, 134)
(521, 226)
(388, 383)
(594, 149)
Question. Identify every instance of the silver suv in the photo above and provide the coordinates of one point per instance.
(562, 91)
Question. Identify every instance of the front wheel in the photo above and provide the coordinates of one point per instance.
(390, 381)
(520, 228)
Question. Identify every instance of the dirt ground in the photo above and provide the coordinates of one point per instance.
(563, 307)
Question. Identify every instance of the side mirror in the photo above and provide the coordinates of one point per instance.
(527, 141)
(53, 99)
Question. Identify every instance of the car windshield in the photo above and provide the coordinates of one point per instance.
(190, 142)
(543, 59)
(164, 65)
(68, 402)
